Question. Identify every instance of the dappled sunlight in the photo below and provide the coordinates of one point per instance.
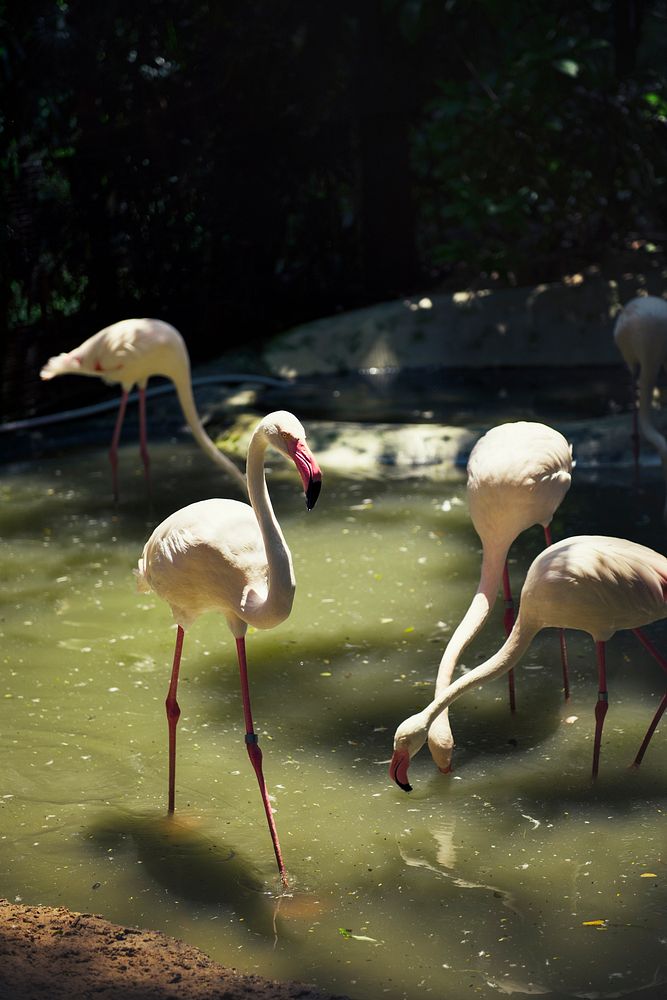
(515, 873)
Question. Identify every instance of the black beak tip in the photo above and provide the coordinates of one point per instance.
(312, 493)
(406, 787)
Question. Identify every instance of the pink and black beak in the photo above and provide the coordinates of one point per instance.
(398, 769)
(309, 470)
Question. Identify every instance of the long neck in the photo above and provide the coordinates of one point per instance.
(186, 399)
(493, 561)
(281, 583)
(509, 653)
(648, 429)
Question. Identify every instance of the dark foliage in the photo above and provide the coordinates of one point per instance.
(238, 167)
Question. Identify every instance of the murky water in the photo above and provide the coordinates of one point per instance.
(513, 875)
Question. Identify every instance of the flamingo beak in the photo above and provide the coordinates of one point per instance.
(310, 472)
(398, 769)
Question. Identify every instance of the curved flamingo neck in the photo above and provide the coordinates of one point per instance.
(180, 376)
(281, 583)
(500, 663)
(491, 574)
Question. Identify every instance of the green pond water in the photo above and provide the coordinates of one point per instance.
(513, 875)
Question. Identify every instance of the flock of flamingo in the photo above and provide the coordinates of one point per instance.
(230, 556)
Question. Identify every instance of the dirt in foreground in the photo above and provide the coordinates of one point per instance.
(49, 953)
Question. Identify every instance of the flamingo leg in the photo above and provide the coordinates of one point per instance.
(563, 645)
(143, 438)
(255, 754)
(648, 645)
(113, 449)
(173, 714)
(601, 705)
(508, 622)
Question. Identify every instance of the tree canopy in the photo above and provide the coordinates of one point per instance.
(238, 167)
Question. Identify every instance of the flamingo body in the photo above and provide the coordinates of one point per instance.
(640, 333)
(128, 353)
(518, 474)
(593, 583)
(231, 557)
(596, 584)
(210, 556)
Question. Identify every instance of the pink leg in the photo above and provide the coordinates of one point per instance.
(663, 704)
(601, 706)
(143, 438)
(563, 645)
(255, 754)
(113, 450)
(649, 732)
(173, 714)
(508, 622)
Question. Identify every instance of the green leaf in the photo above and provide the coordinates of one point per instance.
(567, 66)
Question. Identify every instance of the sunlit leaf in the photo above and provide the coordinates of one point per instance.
(656, 101)
(567, 66)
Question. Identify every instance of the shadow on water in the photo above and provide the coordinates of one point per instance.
(478, 882)
(180, 858)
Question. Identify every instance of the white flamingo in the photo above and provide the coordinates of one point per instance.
(129, 352)
(640, 333)
(518, 474)
(589, 582)
(231, 557)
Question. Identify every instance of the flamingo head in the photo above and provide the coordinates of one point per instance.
(309, 470)
(286, 434)
(408, 740)
(60, 364)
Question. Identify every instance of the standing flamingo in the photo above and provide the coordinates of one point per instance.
(518, 474)
(129, 352)
(589, 582)
(228, 556)
(640, 333)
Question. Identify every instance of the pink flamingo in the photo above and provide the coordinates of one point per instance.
(231, 557)
(518, 474)
(129, 352)
(589, 582)
(640, 333)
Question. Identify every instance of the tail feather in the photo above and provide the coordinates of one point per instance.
(143, 586)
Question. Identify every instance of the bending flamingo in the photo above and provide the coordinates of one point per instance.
(589, 582)
(640, 333)
(518, 474)
(129, 352)
(231, 557)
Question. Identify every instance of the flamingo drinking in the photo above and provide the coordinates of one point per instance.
(129, 352)
(518, 474)
(590, 582)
